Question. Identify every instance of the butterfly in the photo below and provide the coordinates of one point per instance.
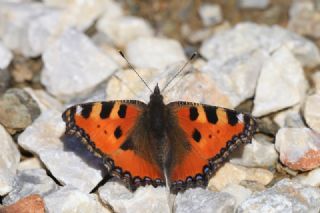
(180, 144)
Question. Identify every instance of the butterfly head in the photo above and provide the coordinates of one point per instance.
(156, 95)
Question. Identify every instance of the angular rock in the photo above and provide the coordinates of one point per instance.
(210, 14)
(122, 30)
(28, 182)
(226, 175)
(312, 112)
(237, 77)
(304, 18)
(69, 161)
(201, 200)
(17, 109)
(247, 37)
(44, 100)
(29, 204)
(285, 74)
(312, 178)
(30, 163)
(260, 153)
(253, 4)
(154, 53)
(239, 192)
(69, 199)
(73, 66)
(5, 56)
(9, 160)
(145, 199)
(290, 118)
(284, 196)
(299, 148)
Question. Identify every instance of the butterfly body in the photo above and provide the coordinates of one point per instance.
(180, 144)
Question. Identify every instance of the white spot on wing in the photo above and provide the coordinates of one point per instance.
(240, 117)
(79, 110)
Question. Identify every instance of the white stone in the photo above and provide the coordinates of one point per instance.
(237, 77)
(70, 199)
(210, 14)
(316, 80)
(28, 182)
(290, 118)
(201, 200)
(247, 37)
(30, 163)
(253, 4)
(154, 53)
(260, 153)
(145, 199)
(5, 56)
(234, 174)
(281, 83)
(9, 160)
(239, 192)
(43, 138)
(312, 112)
(284, 196)
(304, 18)
(312, 178)
(299, 148)
(124, 29)
(73, 66)
(44, 100)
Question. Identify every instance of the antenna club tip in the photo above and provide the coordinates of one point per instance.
(193, 55)
(121, 53)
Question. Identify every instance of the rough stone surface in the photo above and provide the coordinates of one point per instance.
(237, 77)
(312, 178)
(145, 199)
(240, 193)
(200, 200)
(154, 53)
(73, 66)
(247, 37)
(29, 204)
(260, 153)
(17, 109)
(234, 174)
(9, 160)
(28, 182)
(4, 80)
(299, 148)
(316, 80)
(312, 112)
(284, 196)
(210, 14)
(124, 29)
(253, 4)
(69, 199)
(30, 163)
(5, 56)
(79, 168)
(304, 18)
(290, 118)
(285, 74)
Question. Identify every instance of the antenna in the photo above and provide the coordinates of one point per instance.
(145, 83)
(181, 69)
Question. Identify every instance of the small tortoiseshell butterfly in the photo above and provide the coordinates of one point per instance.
(180, 144)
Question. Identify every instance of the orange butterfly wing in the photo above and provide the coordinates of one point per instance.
(104, 127)
(213, 133)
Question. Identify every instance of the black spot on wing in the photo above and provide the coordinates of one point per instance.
(232, 117)
(122, 110)
(193, 113)
(196, 135)
(117, 132)
(128, 144)
(86, 110)
(106, 109)
(211, 114)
